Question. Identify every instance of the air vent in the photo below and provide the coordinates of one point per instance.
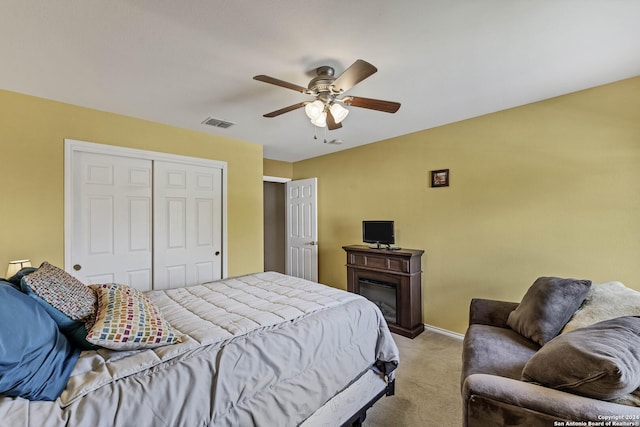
(212, 121)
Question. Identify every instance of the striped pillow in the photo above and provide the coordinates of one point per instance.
(128, 320)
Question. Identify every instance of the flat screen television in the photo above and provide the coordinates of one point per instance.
(378, 232)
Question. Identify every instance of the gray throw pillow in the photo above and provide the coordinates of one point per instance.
(547, 306)
(601, 361)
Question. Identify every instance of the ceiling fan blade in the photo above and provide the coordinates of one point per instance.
(282, 83)
(357, 72)
(372, 104)
(331, 121)
(285, 110)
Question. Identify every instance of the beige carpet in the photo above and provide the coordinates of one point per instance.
(427, 384)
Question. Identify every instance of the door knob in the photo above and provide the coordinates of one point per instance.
(217, 253)
(312, 243)
(77, 267)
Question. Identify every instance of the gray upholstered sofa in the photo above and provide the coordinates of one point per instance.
(495, 355)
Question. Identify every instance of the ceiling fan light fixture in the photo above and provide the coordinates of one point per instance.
(339, 112)
(320, 121)
(328, 109)
(314, 109)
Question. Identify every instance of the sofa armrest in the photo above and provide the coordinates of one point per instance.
(490, 312)
(490, 400)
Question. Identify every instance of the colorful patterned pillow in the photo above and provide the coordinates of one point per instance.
(128, 320)
(62, 291)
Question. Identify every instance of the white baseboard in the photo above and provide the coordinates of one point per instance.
(444, 332)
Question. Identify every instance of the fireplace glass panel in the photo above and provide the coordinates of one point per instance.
(383, 295)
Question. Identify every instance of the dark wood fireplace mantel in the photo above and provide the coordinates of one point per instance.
(400, 268)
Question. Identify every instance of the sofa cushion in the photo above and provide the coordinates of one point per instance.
(605, 301)
(547, 306)
(601, 361)
(495, 351)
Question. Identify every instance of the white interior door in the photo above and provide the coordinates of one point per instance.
(302, 229)
(188, 222)
(111, 217)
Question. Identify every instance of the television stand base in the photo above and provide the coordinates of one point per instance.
(388, 248)
(402, 270)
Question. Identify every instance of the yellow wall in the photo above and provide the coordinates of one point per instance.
(278, 168)
(32, 133)
(551, 188)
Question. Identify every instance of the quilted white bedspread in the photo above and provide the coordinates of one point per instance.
(263, 349)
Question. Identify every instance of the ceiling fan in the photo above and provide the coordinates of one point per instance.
(327, 109)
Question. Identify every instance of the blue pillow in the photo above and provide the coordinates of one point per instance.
(35, 357)
(5, 282)
(17, 278)
(74, 330)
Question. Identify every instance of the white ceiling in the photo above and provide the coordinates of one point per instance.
(179, 62)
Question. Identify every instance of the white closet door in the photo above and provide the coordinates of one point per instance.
(188, 223)
(111, 208)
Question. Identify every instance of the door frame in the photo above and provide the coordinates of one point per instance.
(278, 179)
(71, 146)
(283, 181)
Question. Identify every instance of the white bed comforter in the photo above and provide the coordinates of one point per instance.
(263, 349)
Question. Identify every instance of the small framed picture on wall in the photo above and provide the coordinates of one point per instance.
(440, 178)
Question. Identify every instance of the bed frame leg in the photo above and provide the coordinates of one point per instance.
(360, 420)
(391, 388)
(357, 419)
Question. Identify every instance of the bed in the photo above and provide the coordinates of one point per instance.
(261, 349)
